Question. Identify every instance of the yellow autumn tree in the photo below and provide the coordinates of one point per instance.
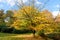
(46, 22)
(26, 15)
(33, 17)
(30, 18)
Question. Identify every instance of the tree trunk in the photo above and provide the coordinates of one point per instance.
(34, 33)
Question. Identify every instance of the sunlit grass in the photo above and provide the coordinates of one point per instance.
(10, 38)
(7, 34)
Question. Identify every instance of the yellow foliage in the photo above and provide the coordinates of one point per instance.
(16, 24)
(28, 9)
(42, 26)
(40, 19)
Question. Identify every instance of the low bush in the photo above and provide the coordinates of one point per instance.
(55, 36)
(22, 31)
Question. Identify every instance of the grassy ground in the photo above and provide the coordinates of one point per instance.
(6, 36)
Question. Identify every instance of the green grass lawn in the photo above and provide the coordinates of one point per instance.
(7, 36)
(11, 38)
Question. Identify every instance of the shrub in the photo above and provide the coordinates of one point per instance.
(40, 32)
(22, 31)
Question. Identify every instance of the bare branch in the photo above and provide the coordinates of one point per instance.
(22, 5)
(43, 6)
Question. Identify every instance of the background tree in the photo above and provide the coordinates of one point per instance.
(2, 20)
(9, 17)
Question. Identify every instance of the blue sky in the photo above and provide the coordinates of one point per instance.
(51, 5)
